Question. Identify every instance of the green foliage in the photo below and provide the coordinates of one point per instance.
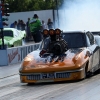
(31, 5)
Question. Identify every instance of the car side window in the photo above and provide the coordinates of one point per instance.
(91, 38)
(8, 33)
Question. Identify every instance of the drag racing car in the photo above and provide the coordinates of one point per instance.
(62, 56)
(12, 37)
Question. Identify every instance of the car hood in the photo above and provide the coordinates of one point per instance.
(6, 40)
(74, 57)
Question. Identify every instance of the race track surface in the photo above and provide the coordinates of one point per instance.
(12, 89)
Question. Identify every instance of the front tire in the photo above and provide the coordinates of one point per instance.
(30, 84)
(87, 73)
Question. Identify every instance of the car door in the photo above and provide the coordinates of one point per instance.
(95, 51)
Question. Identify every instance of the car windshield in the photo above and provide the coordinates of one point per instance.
(8, 33)
(74, 40)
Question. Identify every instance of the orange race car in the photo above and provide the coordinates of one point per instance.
(61, 56)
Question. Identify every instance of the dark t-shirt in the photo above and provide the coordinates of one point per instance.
(23, 26)
(50, 25)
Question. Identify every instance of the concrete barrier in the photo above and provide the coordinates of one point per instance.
(16, 54)
(3, 57)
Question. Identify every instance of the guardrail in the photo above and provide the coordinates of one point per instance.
(16, 54)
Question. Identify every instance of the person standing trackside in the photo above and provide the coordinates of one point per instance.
(28, 29)
(19, 25)
(13, 25)
(43, 25)
(50, 24)
(23, 25)
(35, 28)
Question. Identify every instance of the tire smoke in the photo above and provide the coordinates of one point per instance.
(80, 15)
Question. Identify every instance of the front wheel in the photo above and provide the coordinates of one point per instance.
(87, 73)
(30, 84)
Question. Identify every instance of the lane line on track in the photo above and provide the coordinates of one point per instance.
(9, 76)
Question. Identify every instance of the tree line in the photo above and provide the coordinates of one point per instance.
(31, 5)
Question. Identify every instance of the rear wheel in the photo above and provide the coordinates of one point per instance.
(97, 71)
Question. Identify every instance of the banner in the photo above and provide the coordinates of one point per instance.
(17, 54)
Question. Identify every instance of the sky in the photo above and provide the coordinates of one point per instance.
(80, 15)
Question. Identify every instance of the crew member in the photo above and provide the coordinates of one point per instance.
(35, 28)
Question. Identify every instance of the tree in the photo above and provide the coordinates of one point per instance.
(31, 5)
